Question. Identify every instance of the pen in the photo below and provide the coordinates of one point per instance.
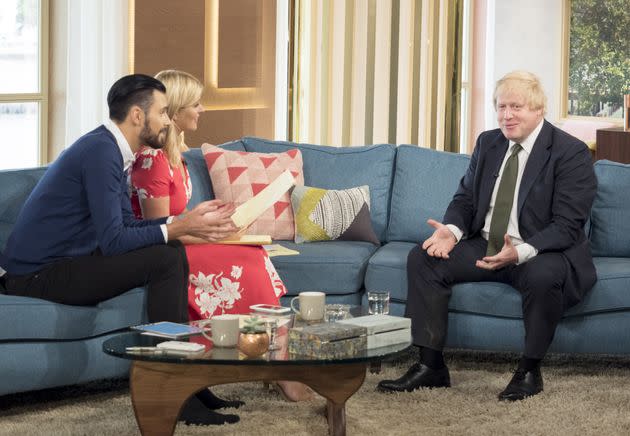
(144, 350)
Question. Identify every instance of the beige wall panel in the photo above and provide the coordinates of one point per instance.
(404, 101)
(229, 45)
(426, 109)
(337, 72)
(382, 54)
(240, 43)
(168, 35)
(359, 72)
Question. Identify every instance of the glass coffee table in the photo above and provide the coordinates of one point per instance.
(161, 384)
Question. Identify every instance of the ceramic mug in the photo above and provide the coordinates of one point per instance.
(225, 330)
(312, 305)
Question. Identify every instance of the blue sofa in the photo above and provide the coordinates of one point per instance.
(45, 344)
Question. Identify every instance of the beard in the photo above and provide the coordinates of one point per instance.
(153, 140)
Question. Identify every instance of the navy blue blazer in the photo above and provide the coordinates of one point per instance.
(554, 201)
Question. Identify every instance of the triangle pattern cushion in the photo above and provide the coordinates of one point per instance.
(322, 214)
(237, 176)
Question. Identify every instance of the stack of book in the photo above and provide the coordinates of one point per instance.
(382, 330)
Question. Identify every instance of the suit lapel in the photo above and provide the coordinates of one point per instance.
(537, 160)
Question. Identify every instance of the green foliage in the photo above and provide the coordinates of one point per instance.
(254, 325)
(599, 54)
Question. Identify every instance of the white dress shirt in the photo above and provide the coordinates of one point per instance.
(128, 159)
(525, 251)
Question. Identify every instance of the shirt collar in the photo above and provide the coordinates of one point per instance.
(125, 149)
(529, 142)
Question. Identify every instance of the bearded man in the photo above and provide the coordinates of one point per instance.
(76, 240)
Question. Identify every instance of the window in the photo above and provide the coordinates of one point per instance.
(598, 61)
(23, 82)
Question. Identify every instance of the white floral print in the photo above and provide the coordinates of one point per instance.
(147, 151)
(143, 194)
(276, 281)
(215, 291)
(147, 163)
(237, 271)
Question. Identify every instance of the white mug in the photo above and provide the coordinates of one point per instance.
(224, 330)
(312, 305)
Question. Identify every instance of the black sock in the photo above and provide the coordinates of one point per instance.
(213, 402)
(196, 413)
(434, 359)
(528, 364)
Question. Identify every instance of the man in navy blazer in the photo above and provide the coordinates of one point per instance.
(516, 218)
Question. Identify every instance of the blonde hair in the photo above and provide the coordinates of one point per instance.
(522, 82)
(182, 90)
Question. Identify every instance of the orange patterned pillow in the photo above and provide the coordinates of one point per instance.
(239, 175)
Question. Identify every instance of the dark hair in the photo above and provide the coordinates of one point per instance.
(134, 89)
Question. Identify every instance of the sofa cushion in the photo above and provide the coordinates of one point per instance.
(329, 214)
(341, 168)
(387, 272)
(334, 267)
(610, 226)
(424, 183)
(612, 289)
(199, 177)
(237, 176)
(24, 318)
(16, 187)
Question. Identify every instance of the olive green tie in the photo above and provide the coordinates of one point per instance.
(503, 203)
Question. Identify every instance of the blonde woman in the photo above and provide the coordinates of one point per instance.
(223, 278)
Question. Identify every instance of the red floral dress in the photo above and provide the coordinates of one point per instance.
(223, 278)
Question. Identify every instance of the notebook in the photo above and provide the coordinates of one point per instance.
(167, 329)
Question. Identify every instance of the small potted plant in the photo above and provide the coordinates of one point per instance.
(253, 340)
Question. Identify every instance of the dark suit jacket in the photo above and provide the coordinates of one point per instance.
(554, 202)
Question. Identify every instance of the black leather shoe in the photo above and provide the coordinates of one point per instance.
(418, 376)
(195, 412)
(523, 384)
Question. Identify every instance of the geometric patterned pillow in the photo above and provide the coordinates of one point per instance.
(238, 176)
(329, 214)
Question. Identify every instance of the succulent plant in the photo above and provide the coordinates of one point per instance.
(254, 325)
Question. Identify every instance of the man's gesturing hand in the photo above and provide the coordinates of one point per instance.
(507, 256)
(441, 241)
(209, 220)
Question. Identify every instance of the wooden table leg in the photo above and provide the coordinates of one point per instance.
(158, 393)
(159, 390)
(336, 383)
(336, 419)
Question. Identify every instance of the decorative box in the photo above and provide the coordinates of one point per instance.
(382, 330)
(327, 340)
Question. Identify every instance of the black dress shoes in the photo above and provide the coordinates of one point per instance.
(418, 376)
(195, 412)
(523, 384)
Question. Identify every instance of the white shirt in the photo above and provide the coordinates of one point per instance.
(525, 251)
(128, 159)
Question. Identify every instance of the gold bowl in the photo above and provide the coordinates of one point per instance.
(253, 344)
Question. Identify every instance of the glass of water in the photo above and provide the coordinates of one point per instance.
(378, 302)
(337, 312)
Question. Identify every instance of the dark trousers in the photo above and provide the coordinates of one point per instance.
(88, 280)
(540, 282)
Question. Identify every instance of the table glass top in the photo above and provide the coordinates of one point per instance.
(119, 346)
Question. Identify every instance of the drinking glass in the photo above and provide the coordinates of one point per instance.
(337, 312)
(378, 302)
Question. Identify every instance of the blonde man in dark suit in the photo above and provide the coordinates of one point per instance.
(516, 218)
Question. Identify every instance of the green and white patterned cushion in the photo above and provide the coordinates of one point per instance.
(329, 214)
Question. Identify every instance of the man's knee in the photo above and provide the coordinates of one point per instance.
(545, 275)
(170, 257)
(417, 258)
